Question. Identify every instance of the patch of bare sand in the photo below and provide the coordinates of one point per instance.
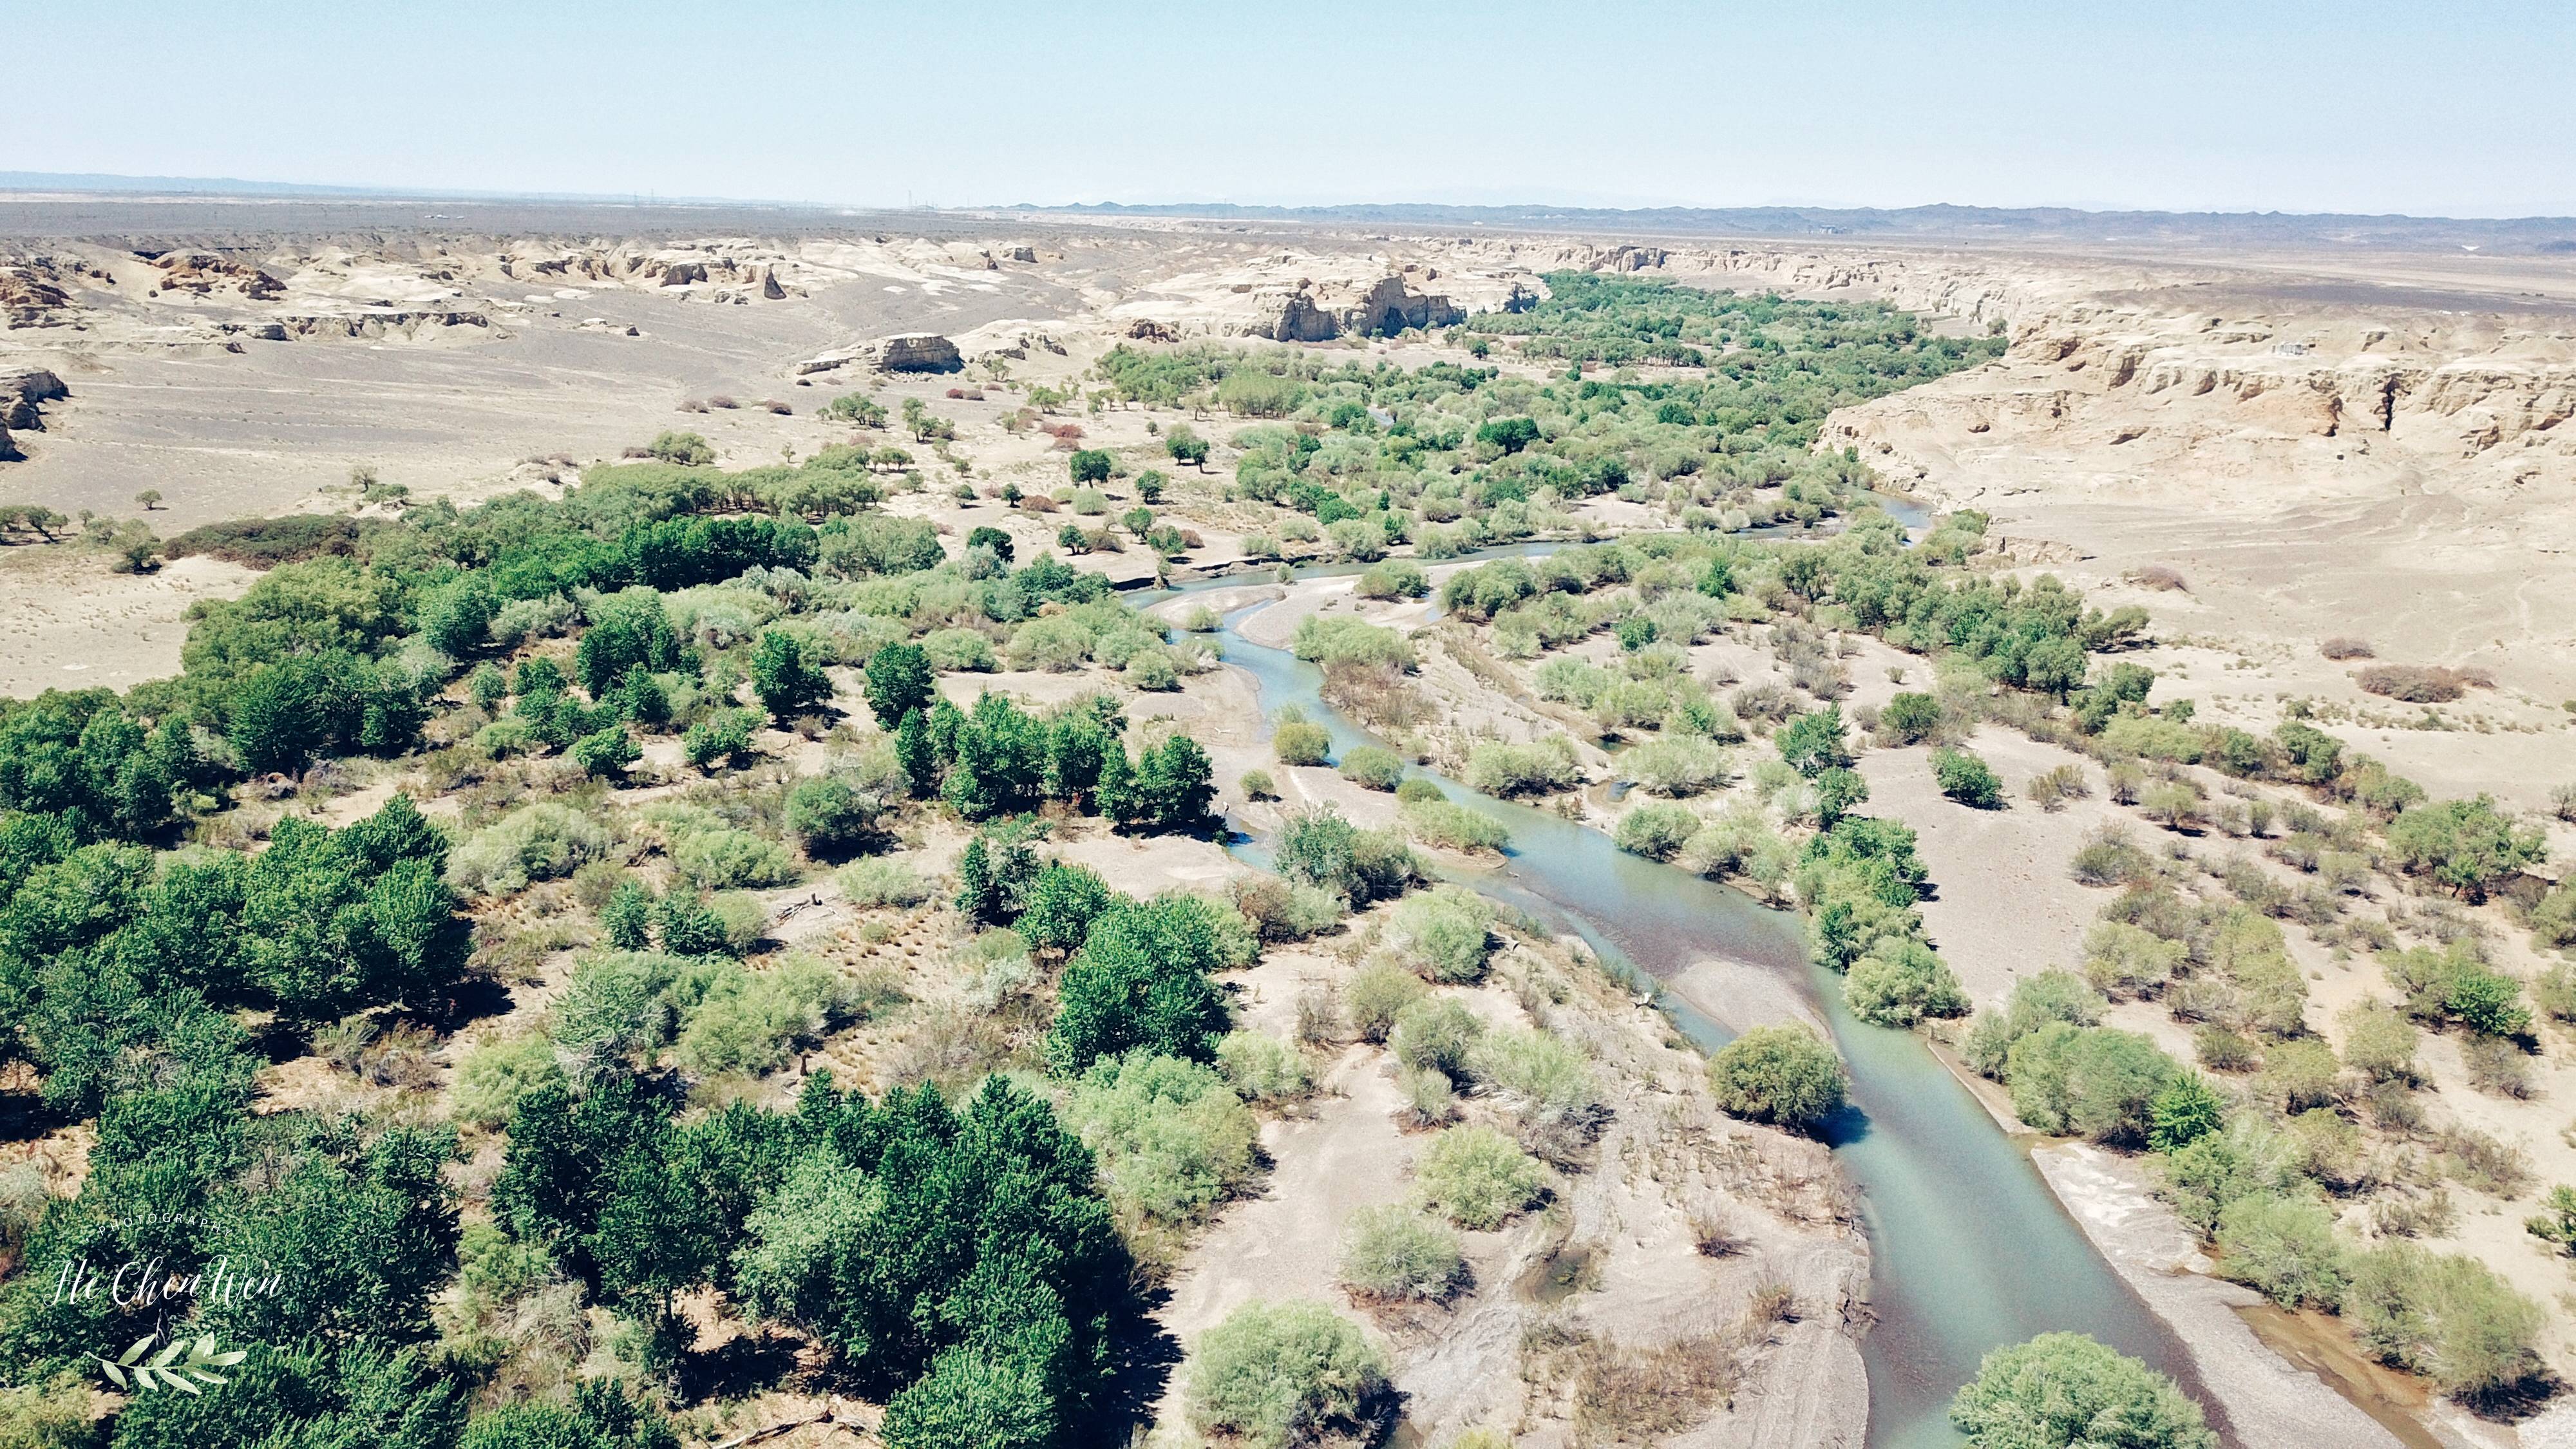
(68, 622)
(2005, 906)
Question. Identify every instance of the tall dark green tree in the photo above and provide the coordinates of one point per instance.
(785, 676)
(899, 681)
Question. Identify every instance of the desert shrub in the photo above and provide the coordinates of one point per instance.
(1964, 777)
(543, 841)
(2446, 1316)
(1675, 766)
(2050, 789)
(1262, 1068)
(844, 809)
(2246, 1158)
(1899, 981)
(2284, 1248)
(1656, 830)
(1909, 717)
(1377, 996)
(753, 1021)
(2378, 1042)
(2455, 984)
(2497, 1066)
(1282, 910)
(497, 1072)
(1257, 785)
(1275, 1374)
(1395, 578)
(2036, 1000)
(2300, 1073)
(2553, 925)
(2345, 646)
(1320, 848)
(1546, 1078)
(1297, 742)
(1446, 933)
(1785, 1075)
(1449, 825)
(881, 882)
(1372, 768)
(1345, 640)
(1539, 767)
(1172, 1137)
(1430, 1099)
(2467, 845)
(1435, 1034)
(2065, 1389)
(2109, 857)
(723, 858)
(2125, 960)
(1393, 1253)
(2488, 1164)
(2421, 684)
(2090, 1082)
(2222, 1050)
(1477, 1178)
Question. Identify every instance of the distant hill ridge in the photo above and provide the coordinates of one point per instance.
(2553, 234)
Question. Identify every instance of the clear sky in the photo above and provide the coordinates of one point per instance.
(2458, 108)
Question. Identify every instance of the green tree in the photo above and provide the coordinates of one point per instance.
(457, 615)
(2067, 1391)
(786, 678)
(607, 753)
(1186, 446)
(1964, 777)
(628, 915)
(1142, 980)
(1812, 743)
(899, 681)
(917, 756)
(1062, 903)
(723, 737)
(1175, 784)
(987, 536)
(1838, 791)
(628, 631)
(2186, 1110)
(1089, 465)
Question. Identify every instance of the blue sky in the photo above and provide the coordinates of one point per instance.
(2465, 109)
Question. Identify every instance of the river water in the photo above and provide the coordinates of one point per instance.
(1970, 1251)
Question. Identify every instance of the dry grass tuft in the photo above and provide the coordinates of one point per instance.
(2161, 576)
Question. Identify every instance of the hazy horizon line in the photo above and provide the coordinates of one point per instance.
(117, 183)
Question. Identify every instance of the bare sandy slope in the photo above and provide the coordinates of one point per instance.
(66, 622)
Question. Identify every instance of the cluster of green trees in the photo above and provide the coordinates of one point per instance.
(111, 954)
(960, 1259)
(338, 648)
(1451, 457)
(996, 759)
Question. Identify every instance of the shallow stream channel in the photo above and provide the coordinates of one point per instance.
(1970, 1251)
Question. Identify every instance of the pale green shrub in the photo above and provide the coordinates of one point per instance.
(1477, 1178)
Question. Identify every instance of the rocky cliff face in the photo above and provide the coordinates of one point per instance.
(21, 396)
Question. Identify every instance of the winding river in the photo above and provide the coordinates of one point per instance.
(1970, 1250)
